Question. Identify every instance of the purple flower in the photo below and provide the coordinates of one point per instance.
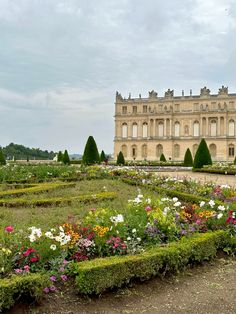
(53, 278)
(64, 277)
(183, 232)
(52, 288)
(61, 269)
(46, 290)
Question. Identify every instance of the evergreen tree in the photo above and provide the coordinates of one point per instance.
(66, 158)
(235, 160)
(103, 156)
(120, 159)
(91, 155)
(2, 158)
(60, 156)
(188, 159)
(163, 158)
(203, 156)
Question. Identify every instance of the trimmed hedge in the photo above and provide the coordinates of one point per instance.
(19, 202)
(217, 171)
(37, 188)
(101, 274)
(28, 285)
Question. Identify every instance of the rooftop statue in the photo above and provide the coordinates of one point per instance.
(169, 93)
(223, 90)
(205, 91)
(152, 94)
(119, 97)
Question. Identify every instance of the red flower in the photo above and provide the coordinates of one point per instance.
(9, 229)
(33, 259)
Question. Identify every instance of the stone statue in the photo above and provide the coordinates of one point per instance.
(152, 94)
(169, 93)
(119, 97)
(205, 91)
(223, 90)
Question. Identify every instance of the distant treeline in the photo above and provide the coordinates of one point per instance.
(18, 152)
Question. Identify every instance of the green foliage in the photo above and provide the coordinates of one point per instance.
(188, 159)
(202, 156)
(60, 157)
(91, 155)
(120, 159)
(21, 152)
(163, 158)
(235, 160)
(2, 158)
(66, 158)
(103, 156)
(11, 289)
(104, 273)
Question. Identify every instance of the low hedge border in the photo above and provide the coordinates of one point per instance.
(101, 274)
(38, 188)
(19, 202)
(217, 171)
(17, 286)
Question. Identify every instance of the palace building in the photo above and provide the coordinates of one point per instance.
(147, 127)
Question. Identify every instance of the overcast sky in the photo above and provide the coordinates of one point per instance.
(61, 62)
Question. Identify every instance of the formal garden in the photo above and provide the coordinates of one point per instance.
(100, 227)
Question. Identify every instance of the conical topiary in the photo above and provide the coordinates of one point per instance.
(91, 155)
(203, 156)
(235, 160)
(163, 158)
(60, 156)
(66, 158)
(103, 156)
(120, 159)
(2, 158)
(188, 159)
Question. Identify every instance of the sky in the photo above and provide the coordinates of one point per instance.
(62, 61)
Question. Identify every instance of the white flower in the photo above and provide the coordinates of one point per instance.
(211, 203)
(177, 204)
(221, 207)
(134, 230)
(140, 196)
(49, 235)
(32, 238)
(61, 229)
(53, 247)
(175, 199)
(165, 211)
(219, 215)
(128, 238)
(202, 203)
(139, 239)
(148, 201)
(116, 219)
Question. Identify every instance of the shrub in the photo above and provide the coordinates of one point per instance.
(163, 158)
(202, 156)
(103, 156)
(66, 158)
(91, 155)
(2, 158)
(235, 160)
(60, 156)
(104, 273)
(120, 159)
(188, 159)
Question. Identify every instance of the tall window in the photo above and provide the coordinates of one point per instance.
(212, 149)
(124, 150)
(145, 129)
(134, 109)
(159, 150)
(144, 151)
(135, 130)
(231, 150)
(160, 130)
(196, 128)
(145, 109)
(177, 128)
(134, 151)
(231, 127)
(124, 110)
(213, 127)
(176, 150)
(124, 130)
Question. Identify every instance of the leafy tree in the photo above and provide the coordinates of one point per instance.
(103, 156)
(2, 158)
(203, 156)
(91, 155)
(188, 159)
(21, 152)
(66, 158)
(120, 159)
(60, 156)
(163, 158)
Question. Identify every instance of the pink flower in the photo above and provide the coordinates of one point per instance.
(9, 229)
(46, 290)
(27, 268)
(18, 271)
(148, 208)
(64, 277)
(52, 288)
(61, 269)
(53, 278)
(93, 210)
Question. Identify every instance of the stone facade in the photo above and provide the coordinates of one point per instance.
(146, 127)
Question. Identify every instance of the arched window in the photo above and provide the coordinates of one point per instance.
(159, 150)
(145, 129)
(176, 150)
(231, 150)
(144, 151)
(213, 127)
(195, 147)
(124, 130)
(231, 127)
(135, 130)
(134, 151)
(160, 129)
(177, 128)
(212, 149)
(196, 128)
(124, 150)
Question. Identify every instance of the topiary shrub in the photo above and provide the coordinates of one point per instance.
(235, 160)
(2, 158)
(120, 159)
(91, 155)
(66, 158)
(103, 157)
(60, 157)
(188, 159)
(203, 156)
(163, 158)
